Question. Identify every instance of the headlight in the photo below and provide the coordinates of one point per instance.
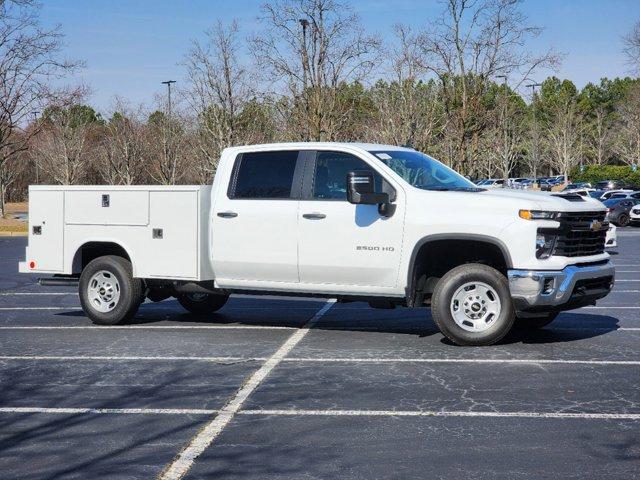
(544, 244)
(537, 215)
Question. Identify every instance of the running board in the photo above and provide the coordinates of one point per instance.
(58, 282)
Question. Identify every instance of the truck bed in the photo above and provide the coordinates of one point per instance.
(161, 228)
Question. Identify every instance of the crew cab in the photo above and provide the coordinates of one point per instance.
(378, 223)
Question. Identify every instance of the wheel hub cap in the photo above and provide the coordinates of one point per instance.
(103, 291)
(475, 306)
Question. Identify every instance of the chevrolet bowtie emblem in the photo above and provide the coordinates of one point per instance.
(595, 225)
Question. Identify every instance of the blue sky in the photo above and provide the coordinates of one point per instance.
(131, 46)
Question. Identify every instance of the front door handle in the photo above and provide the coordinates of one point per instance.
(314, 216)
(227, 214)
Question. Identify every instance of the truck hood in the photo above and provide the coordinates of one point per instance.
(543, 200)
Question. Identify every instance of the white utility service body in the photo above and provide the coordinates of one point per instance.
(249, 233)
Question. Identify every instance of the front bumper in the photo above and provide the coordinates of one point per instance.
(556, 290)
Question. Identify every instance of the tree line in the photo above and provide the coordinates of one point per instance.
(465, 89)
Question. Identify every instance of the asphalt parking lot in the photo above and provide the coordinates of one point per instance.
(295, 388)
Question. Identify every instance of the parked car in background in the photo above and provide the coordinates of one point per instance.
(575, 186)
(619, 210)
(491, 183)
(623, 194)
(528, 183)
(609, 194)
(610, 185)
(634, 215)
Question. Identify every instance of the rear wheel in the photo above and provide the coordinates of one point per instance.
(535, 323)
(471, 305)
(108, 292)
(202, 303)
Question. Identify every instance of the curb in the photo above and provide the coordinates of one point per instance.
(14, 233)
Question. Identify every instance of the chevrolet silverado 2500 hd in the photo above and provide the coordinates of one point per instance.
(379, 223)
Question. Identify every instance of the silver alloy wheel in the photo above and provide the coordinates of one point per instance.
(103, 291)
(475, 307)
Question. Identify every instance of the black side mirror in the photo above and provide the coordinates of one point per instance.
(361, 191)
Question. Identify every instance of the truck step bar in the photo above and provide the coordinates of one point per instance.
(59, 282)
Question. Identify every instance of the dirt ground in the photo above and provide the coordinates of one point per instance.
(10, 224)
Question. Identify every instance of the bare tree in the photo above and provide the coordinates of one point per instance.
(166, 152)
(121, 151)
(627, 141)
(311, 47)
(563, 135)
(473, 42)
(63, 149)
(407, 108)
(599, 136)
(632, 48)
(30, 62)
(218, 90)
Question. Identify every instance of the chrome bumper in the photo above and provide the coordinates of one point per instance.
(531, 289)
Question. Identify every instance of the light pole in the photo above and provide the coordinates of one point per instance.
(168, 84)
(35, 119)
(535, 134)
(503, 126)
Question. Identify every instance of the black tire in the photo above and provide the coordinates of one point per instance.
(202, 304)
(130, 290)
(536, 323)
(443, 296)
(623, 220)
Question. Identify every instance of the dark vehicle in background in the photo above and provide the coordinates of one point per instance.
(575, 186)
(618, 210)
(610, 185)
(547, 183)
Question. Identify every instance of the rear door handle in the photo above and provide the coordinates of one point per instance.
(314, 216)
(227, 214)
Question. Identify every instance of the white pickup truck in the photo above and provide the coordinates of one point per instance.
(378, 223)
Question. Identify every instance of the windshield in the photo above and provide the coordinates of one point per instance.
(613, 202)
(422, 171)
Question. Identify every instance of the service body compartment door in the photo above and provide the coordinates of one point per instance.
(46, 230)
(173, 234)
(107, 207)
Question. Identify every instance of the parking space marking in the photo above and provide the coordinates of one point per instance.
(181, 465)
(130, 358)
(460, 360)
(626, 280)
(324, 413)
(37, 308)
(8, 294)
(146, 327)
(440, 413)
(117, 411)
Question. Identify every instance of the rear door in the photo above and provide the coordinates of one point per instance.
(341, 243)
(255, 224)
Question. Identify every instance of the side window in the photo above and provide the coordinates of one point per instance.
(330, 178)
(265, 175)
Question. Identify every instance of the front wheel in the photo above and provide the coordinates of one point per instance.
(471, 305)
(202, 303)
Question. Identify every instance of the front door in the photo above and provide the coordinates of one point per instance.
(341, 243)
(254, 226)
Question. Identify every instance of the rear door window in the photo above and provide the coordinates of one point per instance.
(265, 175)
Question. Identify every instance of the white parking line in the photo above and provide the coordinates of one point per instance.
(181, 465)
(118, 411)
(147, 327)
(524, 361)
(10, 294)
(324, 413)
(626, 280)
(440, 413)
(37, 308)
(128, 358)
(611, 307)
